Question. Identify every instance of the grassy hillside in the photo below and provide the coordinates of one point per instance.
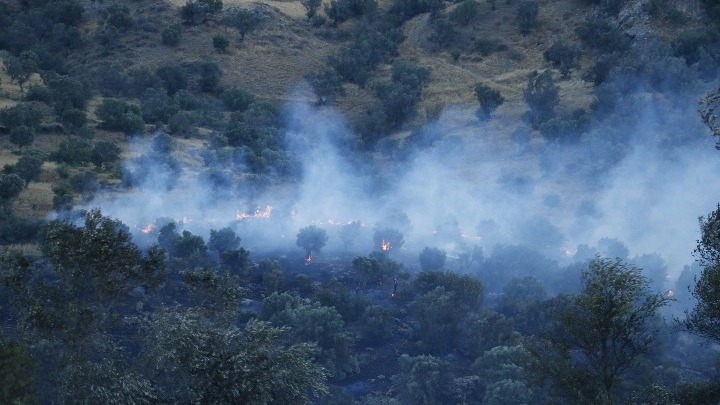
(273, 60)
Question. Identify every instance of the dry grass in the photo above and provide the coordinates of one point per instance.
(34, 201)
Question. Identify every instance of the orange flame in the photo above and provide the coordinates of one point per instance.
(385, 246)
(149, 228)
(258, 213)
(308, 259)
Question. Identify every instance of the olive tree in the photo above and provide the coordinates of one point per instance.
(312, 239)
(608, 325)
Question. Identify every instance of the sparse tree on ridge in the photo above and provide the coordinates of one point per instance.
(243, 20)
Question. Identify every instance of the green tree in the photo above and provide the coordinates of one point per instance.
(173, 78)
(198, 362)
(311, 7)
(489, 99)
(311, 239)
(29, 166)
(243, 20)
(423, 380)
(610, 323)
(21, 68)
(223, 239)
(432, 259)
(220, 43)
(171, 34)
(314, 323)
(10, 187)
(22, 136)
(210, 74)
(541, 95)
(119, 115)
(387, 239)
(563, 57)
(464, 12)
(704, 318)
(527, 13)
(349, 233)
(326, 84)
(104, 153)
(73, 119)
(16, 378)
(709, 109)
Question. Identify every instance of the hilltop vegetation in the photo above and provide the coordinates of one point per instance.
(112, 97)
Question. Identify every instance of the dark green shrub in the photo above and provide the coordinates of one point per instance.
(326, 84)
(68, 92)
(157, 106)
(527, 14)
(464, 12)
(486, 46)
(489, 99)
(22, 136)
(600, 33)
(541, 94)
(443, 33)
(73, 119)
(72, 152)
(140, 79)
(25, 114)
(38, 93)
(220, 43)
(236, 99)
(171, 34)
(118, 16)
(173, 78)
(563, 57)
(118, 115)
(104, 153)
(568, 127)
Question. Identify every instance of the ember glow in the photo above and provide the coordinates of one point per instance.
(148, 228)
(258, 213)
(385, 246)
(308, 259)
(670, 293)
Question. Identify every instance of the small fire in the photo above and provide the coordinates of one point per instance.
(149, 228)
(258, 213)
(568, 252)
(385, 246)
(670, 293)
(308, 259)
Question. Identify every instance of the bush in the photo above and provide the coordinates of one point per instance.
(567, 127)
(220, 43)
(541, 94)
(26, 114)
(171, 34)
(236, 99)
(486, 46)
(72, 152)
(489, 100)
(73, 119)
(599, 33)
(22, 136)
(326, 84)
(118, 115)
(563, 57)
(157, 106)
(527, 13)
(104, 153)
(118, 16)
(38, 93)
(68, 92)
(443, 33)
(464, 12)
(173, 78)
